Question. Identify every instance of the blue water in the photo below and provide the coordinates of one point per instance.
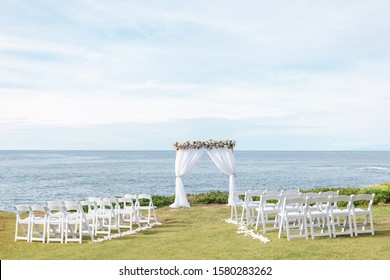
(34, 177)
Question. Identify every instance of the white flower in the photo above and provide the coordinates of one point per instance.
(209, 144)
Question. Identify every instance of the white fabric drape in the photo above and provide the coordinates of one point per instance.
(185, 161)
(223, 158)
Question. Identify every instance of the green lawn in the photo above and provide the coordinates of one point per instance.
(199, 233)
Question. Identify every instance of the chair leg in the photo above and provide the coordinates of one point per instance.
(155, 215)
(16, 231)
(311, 227)
(287, 229)
(371, 224)
(264, 222)
(117, 224)
(355, 225)
(328, 226)
(257, 220)
(350, 225)
(333, 227)
(280, 228)
(305, 228)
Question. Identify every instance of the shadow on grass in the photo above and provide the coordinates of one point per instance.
(378, 233)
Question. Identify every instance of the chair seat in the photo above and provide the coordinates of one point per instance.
(318, 213)
(337, 212)
(362, 211)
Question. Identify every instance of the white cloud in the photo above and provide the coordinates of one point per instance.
(301, 68)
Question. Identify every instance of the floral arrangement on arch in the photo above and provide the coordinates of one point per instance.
(210, 144)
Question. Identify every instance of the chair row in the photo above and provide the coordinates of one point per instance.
(65, 222)
(322, 213)
(252, 199)
(141, 205)
(324, 216)
(68, 221)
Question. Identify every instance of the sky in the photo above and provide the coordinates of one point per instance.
(140, 75)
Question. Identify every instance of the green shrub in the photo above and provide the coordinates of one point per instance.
(160, 200)
(209, 198)
(382, 195)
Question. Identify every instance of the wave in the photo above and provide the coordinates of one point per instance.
(377, 168)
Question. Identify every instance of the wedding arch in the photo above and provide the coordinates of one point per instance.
(187, 155)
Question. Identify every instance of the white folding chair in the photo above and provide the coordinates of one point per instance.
(105, 215)
(273, 193)
(366, 212)
(312, 206)
(90, 209)
(133, 197)
(297, 192)
(23, 220)
(126, 213)
(318, 216)
(267, 211)
(293, 218)
(38, 223)
(251, 203)
(55, 222)
(333, 205)
(341, 208)
(237, 202)
(75, 222)
(289, 194)
(331, 194)
(145, 203)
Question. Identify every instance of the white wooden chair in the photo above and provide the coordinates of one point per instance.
(147, 206)
(73, 222)
(236, 203)
(126, 213)
(267, 211)
(293, 218)
(330, 194)
(38, 223)
(251, 203)
(55, 222)
(340, 215)
(318, 216)
(289, 194)
(105, 216)
(134, 198)
(23, 222)
(366, 212)
(333, 205)
(273, 192)
(76, 223)
(90, 209)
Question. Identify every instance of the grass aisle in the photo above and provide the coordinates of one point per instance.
(200, 233)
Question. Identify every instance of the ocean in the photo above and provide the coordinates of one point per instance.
(33, 177)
